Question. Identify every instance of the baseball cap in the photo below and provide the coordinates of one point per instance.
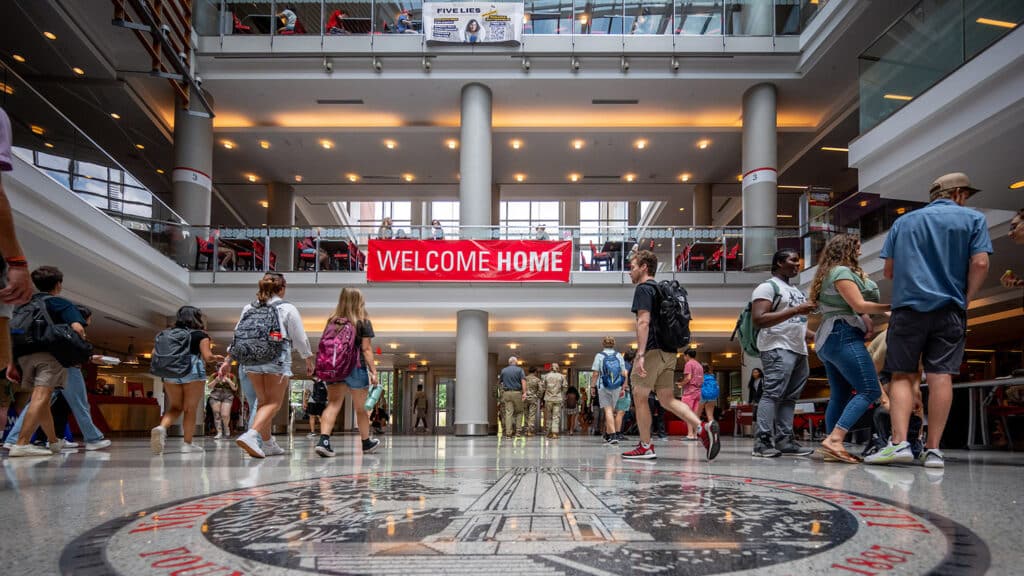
(951, 181)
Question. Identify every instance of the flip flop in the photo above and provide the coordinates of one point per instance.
(831, 455)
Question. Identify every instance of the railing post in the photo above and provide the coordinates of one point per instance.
(672, 239)
(214, 260)
(725, 251)
(316, 259)
(266, 253)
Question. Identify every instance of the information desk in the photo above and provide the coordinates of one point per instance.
(123, 414)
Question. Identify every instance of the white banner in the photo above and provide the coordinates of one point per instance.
(473, 22)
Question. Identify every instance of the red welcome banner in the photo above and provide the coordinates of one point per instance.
(468, 261)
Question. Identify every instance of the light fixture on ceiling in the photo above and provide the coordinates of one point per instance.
(574, 346)
(424, 362)
(6, 88)
(682, 209)
(265, 144)
(629, 177)
(900, 97)
(115, 115)
(834, 149)
(412, 355)
(38, 130)
(703, 144)
(520, 177)
(50, 35)
(640, 144)
(515, 143)
(408, 177)
(451, 143)
(634, 346)
(228, 144)
(685, 177)
(48, 145)
(570, 355)
(131, 359)
(578, 144)
(390, 144)
(513, 346)
(1017, 185)
(18, 58)
(140, 146)
(78, 71)
(728, 355)
(352, 177)
(574, 177)
(159, 170)
(901, 211)
(739, 177)
(584, 18)
(393, 345)
(783, 216)
(326, 144)
(996, 23)
(252, 177)
(298, 177)
(863, 203)
(264, 203)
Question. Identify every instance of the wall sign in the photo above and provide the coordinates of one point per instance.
(468, 261)
(473, 23)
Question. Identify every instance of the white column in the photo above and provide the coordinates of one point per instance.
(281, 212)
(760, 174)
(192, 176)
(475, 192)
(472, 382)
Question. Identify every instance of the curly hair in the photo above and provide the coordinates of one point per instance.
(841, 250)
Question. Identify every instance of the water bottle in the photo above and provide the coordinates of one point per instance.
(373, 397)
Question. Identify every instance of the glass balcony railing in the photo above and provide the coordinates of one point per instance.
(595, 249)
(48, 140)
(540, 17)
(924, 46)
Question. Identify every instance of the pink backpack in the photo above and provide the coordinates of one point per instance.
(337, 355)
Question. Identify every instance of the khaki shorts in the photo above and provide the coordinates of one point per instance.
(660, 366)
(42, 369)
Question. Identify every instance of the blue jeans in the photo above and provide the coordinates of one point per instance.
(75, 395)
(849, 368)
(250, 395)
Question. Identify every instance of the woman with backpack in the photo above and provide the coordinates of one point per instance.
(264, 337)
(185, 392)
(348, 332)
(708, 394)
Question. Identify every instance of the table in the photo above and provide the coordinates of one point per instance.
(616, 249)
(333, 247)
(977, 415)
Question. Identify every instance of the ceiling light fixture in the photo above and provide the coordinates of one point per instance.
(140, 146)
(834, 149)
(997, 23)
(412, 355)
(739, 177)
(264, 203)
(574, 346)
(393, 345)
(574, 177)
(900, 97)
(783, 216)
(1017, 185)
(408, 177)
(390, 144)
(37, 129)
(703, 144)
(50, 35)
(863, 203)
(115, 115)
(265, 144)
(48, 145)
(520, 177)
(901, 211)
(424, 362)
(640, 144)
(516, 144)
(252, 177)
(326, 144)
(298, 177)
(18, 58)
(452, 144)
(684, 177)
(513, 346)
(159, 170)
(78, 71)
(228, 144)
(6, 88)
(629, 177)
(682, 209)
(578, 144)
(352, 177)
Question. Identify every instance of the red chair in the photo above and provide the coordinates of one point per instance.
(692, 258)
(306, 260)
(204, 248)
(600, 258)
(239, 27)
(592, 267)
(732, 255)
(243, 257)
(299, 29)
(715, 262)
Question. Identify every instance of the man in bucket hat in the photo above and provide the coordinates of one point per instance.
(937, 259)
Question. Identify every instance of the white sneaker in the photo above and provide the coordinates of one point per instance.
(157, 439)
(98, 445)
(271, 448)
(892, 454)
(250, 442)
(56, 447)
(72, 445)
(29, 450)
(9, 445)
(933, 458)
(187, 448)
(219, 436)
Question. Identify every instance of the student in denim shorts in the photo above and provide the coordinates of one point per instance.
(184, 394)
(352, 307)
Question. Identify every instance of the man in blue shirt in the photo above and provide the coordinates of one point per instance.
(937, 259)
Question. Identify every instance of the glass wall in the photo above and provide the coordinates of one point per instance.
(520, 219)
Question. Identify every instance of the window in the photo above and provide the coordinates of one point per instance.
(601, 220)
(368, 216)
(448, 214)
(520, 219)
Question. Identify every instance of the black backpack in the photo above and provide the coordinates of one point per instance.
(33, 330)
(672, 325)
(172, 357)
(318, 399)
(258, 337)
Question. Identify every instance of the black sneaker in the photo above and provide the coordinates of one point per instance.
(323, 447)
(370, 444)
(790, 447)
(620, 437)
(764, 449)
(610, 440)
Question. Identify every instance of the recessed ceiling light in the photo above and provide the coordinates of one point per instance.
(901, 211)
(739, 177)
(50, 35)
(115, 115)
(393, 346)
(900, 97)
(685, 177)
(998, 23)
(408, 177)
(452, 144)
(520, 177)
(513, 346)
(424, 362)
(159, 170)
(326, 144)
(352, 177)
(412, 355)
(682, 209)
(640, 144)
(298, 177)
(140, 146)
(228, 144)
(574, 346)
(629, 177)
(18, 58)
(37, 129)
(516, 144)
(252, 177)
(264, 203)
(78, 71)
(863, 203)
(265, 144)
(48, 145)
(574, 177)
(834, 149)
(390, 144)
(6, 88)
(1017, 185)
(578, 144)
(703, 144)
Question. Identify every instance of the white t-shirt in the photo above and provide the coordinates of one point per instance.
(289, 19)
(788, 335)
(598, 364)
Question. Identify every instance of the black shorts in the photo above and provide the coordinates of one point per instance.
(935, 339)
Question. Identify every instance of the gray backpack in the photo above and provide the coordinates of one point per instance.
(171, 355)
(258, 338)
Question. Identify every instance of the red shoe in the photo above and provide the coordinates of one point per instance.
(708, 436)
(640, 453)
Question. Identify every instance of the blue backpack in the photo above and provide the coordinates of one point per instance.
(611, 371)
(709, 388)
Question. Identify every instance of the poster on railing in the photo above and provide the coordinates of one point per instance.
(468, 261)
(498, 23)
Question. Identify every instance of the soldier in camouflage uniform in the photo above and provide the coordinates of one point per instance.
(533, 385)
(554, 386)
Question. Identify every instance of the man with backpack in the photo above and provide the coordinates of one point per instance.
(662, 327)
(779, 312)
(33, 329)
(608, 375)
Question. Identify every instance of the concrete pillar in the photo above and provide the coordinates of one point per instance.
(475, 184)
(281, 212)
(571, 223)
(420, 220)
(495, 205)
(702, 205)
(473, 383)
(633, 213)
(192, 177)
(760, 174)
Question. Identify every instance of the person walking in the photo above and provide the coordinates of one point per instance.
(420, 405)
(572, 408)
(184, 393)
(512, 381)
(608, 374)
(532, 401)
(15, 283)
(780, 311)
(937, 258)
(314, 419)
(351, 308)
(269, 323)
(755, 385)
(846, 298)
(554, 386)
(222, 396)
(693, 379)
(708, 393)
(655, 365)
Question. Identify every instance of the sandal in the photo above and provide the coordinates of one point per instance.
(831, 455)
